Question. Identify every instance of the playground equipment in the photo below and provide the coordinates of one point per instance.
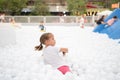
(112, 31)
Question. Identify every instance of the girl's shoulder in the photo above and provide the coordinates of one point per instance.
(52, 47)
(48, 47)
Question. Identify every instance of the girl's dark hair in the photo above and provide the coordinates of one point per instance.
(103, 16)
(39, 47)
(115, 17)
(43, 38)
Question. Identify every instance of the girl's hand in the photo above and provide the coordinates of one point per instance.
(64, 50)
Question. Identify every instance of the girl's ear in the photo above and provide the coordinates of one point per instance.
(46, 41)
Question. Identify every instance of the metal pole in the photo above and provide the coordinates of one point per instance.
(118, 4)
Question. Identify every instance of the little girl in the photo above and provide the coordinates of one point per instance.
(51, 53)
(111, 21)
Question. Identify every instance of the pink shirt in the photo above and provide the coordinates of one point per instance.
(110, 22)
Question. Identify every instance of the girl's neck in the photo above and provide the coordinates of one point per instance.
(47, 46)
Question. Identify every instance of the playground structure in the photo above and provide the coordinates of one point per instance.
(112, 31)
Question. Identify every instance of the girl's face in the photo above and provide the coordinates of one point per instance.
(51, 41)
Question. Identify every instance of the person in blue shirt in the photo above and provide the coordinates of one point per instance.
(41, 26)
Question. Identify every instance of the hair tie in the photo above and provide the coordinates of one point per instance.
(40, 44)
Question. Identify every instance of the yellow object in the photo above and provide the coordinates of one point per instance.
(42, 30)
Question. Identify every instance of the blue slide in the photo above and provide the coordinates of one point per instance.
(112, 31)
(115, 31)
(108, 30)
(99, 28)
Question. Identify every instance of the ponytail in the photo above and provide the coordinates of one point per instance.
(38, 48)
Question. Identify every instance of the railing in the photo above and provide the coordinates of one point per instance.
(89, 20)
